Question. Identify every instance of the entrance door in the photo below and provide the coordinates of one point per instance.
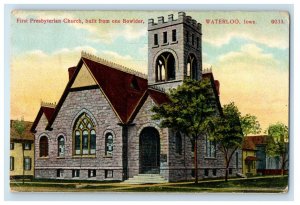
(149, 151)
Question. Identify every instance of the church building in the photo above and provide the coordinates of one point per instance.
(101, 128)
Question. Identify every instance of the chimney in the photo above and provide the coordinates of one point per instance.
(217, 84)
(170, 17)
(71, 71)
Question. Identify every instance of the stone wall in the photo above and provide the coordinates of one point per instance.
(143, 120)
(97, 107)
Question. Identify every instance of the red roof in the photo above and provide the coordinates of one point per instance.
(251, 158)
(27, 135)
(158, 97)
(250, 142)
(123, 90)
(48, 111)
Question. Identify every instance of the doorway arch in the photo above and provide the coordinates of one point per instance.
(149, 151)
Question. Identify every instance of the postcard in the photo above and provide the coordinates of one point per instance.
(149, 101)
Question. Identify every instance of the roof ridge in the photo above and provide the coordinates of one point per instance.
(157, 88)
(112, 64)
(48, 104)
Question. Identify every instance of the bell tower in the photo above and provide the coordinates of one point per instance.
(174, 51)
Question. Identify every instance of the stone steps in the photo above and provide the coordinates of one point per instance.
(146, 179)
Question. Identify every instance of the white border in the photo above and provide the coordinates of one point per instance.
(4, 94)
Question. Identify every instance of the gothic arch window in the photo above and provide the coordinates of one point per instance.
(178, 143)
(109, 144)
(44, 146)
(165, 67)
(192, 67)
(61, 146)
(84, 136)
(210, 148)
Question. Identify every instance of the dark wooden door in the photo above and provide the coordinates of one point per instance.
(149, 151)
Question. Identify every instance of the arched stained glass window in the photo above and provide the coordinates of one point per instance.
(84, 136)
(109, 144)
(44, 146)
(61, 146)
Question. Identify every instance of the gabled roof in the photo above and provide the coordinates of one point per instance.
(123, 90)
(48, 111)
(250, 142)
(157, 96)
(216, 88)
(27, 134)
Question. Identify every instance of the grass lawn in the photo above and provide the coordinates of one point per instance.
(269, 184)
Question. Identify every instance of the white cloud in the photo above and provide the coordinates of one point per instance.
(256, 82)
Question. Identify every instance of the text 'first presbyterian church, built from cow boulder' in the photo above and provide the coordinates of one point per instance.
(101, 128)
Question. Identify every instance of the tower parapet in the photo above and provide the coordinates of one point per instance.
(182, 18)
(174, 50)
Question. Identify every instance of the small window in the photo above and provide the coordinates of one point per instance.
(27, 163)
(193, 145)
(187, 37)
(109, 144)
(230, 171)
(93, 142)
(12, 146)
(77, 142)
(155, 39)
(108, 173)
(210, 148)
(193, 40)
(174, 37)
(75, 173)
(165, 37)
(198, 42)
(214, 172)
(193, 173)
(61, 146)
(206, 172)
(237, 160)
(60, 173)
(91, 173)
(134, 84)
(85, 142)
(178, 143)
(12, 163)
(44, 146)
(27, 146)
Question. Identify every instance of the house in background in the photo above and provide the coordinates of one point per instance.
(255, 159)
(17, 145)
(249, 157)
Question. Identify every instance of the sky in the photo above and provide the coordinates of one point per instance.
(251, 61)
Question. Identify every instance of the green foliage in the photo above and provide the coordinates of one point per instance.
(278, 139)
(226, 130)
(250, 124)
(191, 104)
(19, 126)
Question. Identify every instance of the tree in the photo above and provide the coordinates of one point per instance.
(190, 106)
(277, 145)
(250, 124)
(19, 126)
(226, 131)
